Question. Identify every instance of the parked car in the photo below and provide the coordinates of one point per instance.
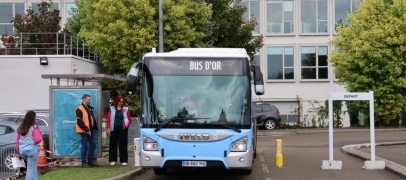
(42, 121)
(8, 134)
(267, 116)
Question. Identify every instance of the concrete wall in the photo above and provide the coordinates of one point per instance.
(21, 85)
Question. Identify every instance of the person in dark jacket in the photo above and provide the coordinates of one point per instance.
(85, 125)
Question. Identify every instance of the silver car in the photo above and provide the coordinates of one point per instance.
(8, 135)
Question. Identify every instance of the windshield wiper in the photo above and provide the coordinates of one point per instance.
(173, 119)
(227, 126)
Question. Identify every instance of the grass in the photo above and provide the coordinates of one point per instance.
(75, 173)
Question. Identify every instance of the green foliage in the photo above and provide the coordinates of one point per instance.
(186, 23)
(337, 111)
(123, 31)
(371, 55)
(229, 28)
(80, 16)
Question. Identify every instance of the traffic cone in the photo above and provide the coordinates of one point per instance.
(42, 158)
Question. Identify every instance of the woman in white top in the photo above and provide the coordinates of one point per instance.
(28, 135)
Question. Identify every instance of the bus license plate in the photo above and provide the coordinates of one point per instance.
(194, 163)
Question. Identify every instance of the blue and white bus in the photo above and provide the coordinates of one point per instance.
(196, 108)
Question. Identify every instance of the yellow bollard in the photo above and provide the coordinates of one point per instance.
(278, 153)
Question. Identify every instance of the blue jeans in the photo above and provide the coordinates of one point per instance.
(87, 141)
(30, 153)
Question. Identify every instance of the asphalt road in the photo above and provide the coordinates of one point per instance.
(302, 158)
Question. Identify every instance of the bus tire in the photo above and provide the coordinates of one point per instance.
(159, 171)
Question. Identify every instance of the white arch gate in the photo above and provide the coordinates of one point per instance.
(347, 96)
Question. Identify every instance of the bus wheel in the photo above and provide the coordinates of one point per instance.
(159, 171)
(246, 171)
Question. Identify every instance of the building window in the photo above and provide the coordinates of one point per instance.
(68, 11)
(257, 59)
(313, 16)
(342, 8)
(7, 12)
(35, 7)
(279, 16)
(252, 12)
(280, 63)
(314, 63)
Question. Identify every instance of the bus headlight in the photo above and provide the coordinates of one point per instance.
(149, 144)
(240, 145)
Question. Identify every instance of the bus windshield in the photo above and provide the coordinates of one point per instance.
(196, 99)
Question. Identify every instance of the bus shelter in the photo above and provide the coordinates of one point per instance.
(64, 97)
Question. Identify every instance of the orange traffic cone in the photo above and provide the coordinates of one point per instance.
(42, 158)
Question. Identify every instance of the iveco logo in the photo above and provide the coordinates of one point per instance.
(194, 136)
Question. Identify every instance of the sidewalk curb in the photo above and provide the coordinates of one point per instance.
(129, 175)
(349, 130)
(389, 165)
(318, 131)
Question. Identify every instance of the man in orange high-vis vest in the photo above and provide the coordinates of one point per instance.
(85, 124)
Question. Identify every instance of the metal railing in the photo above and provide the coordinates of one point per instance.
(57, 43)
(7, 151)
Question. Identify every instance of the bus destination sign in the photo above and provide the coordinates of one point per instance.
(197, 67)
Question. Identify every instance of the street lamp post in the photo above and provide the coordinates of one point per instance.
(160, 29)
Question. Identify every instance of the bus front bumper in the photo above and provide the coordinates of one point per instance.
(234, 160)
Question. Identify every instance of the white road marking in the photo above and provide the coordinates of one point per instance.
(260, 151)
(265, 169)
(261, 158)
(268, 179)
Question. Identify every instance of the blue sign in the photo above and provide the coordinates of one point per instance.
(66, 142)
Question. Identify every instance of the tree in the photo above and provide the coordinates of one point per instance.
(35, 33)
(371, 53)
(78, 16)
(229, 28)
(123, 31)
(186, 23)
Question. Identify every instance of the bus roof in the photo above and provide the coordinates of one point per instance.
(202, 52)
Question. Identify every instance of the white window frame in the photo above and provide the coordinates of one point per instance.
(317, 63)
(249, 15)
(14, 13)
(283, 64)
(317, 20)
(65, 13)
(283, 20)
(334, 14)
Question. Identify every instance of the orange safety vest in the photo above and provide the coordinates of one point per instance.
(85, 119)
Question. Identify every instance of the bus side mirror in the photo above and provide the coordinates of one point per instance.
(132, 78)
(258, 80)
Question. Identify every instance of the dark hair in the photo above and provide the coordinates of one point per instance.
(85, 96)
(28, 122)
(117, 100)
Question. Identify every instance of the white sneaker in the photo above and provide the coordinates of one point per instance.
(112, 163)
(124, 164)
